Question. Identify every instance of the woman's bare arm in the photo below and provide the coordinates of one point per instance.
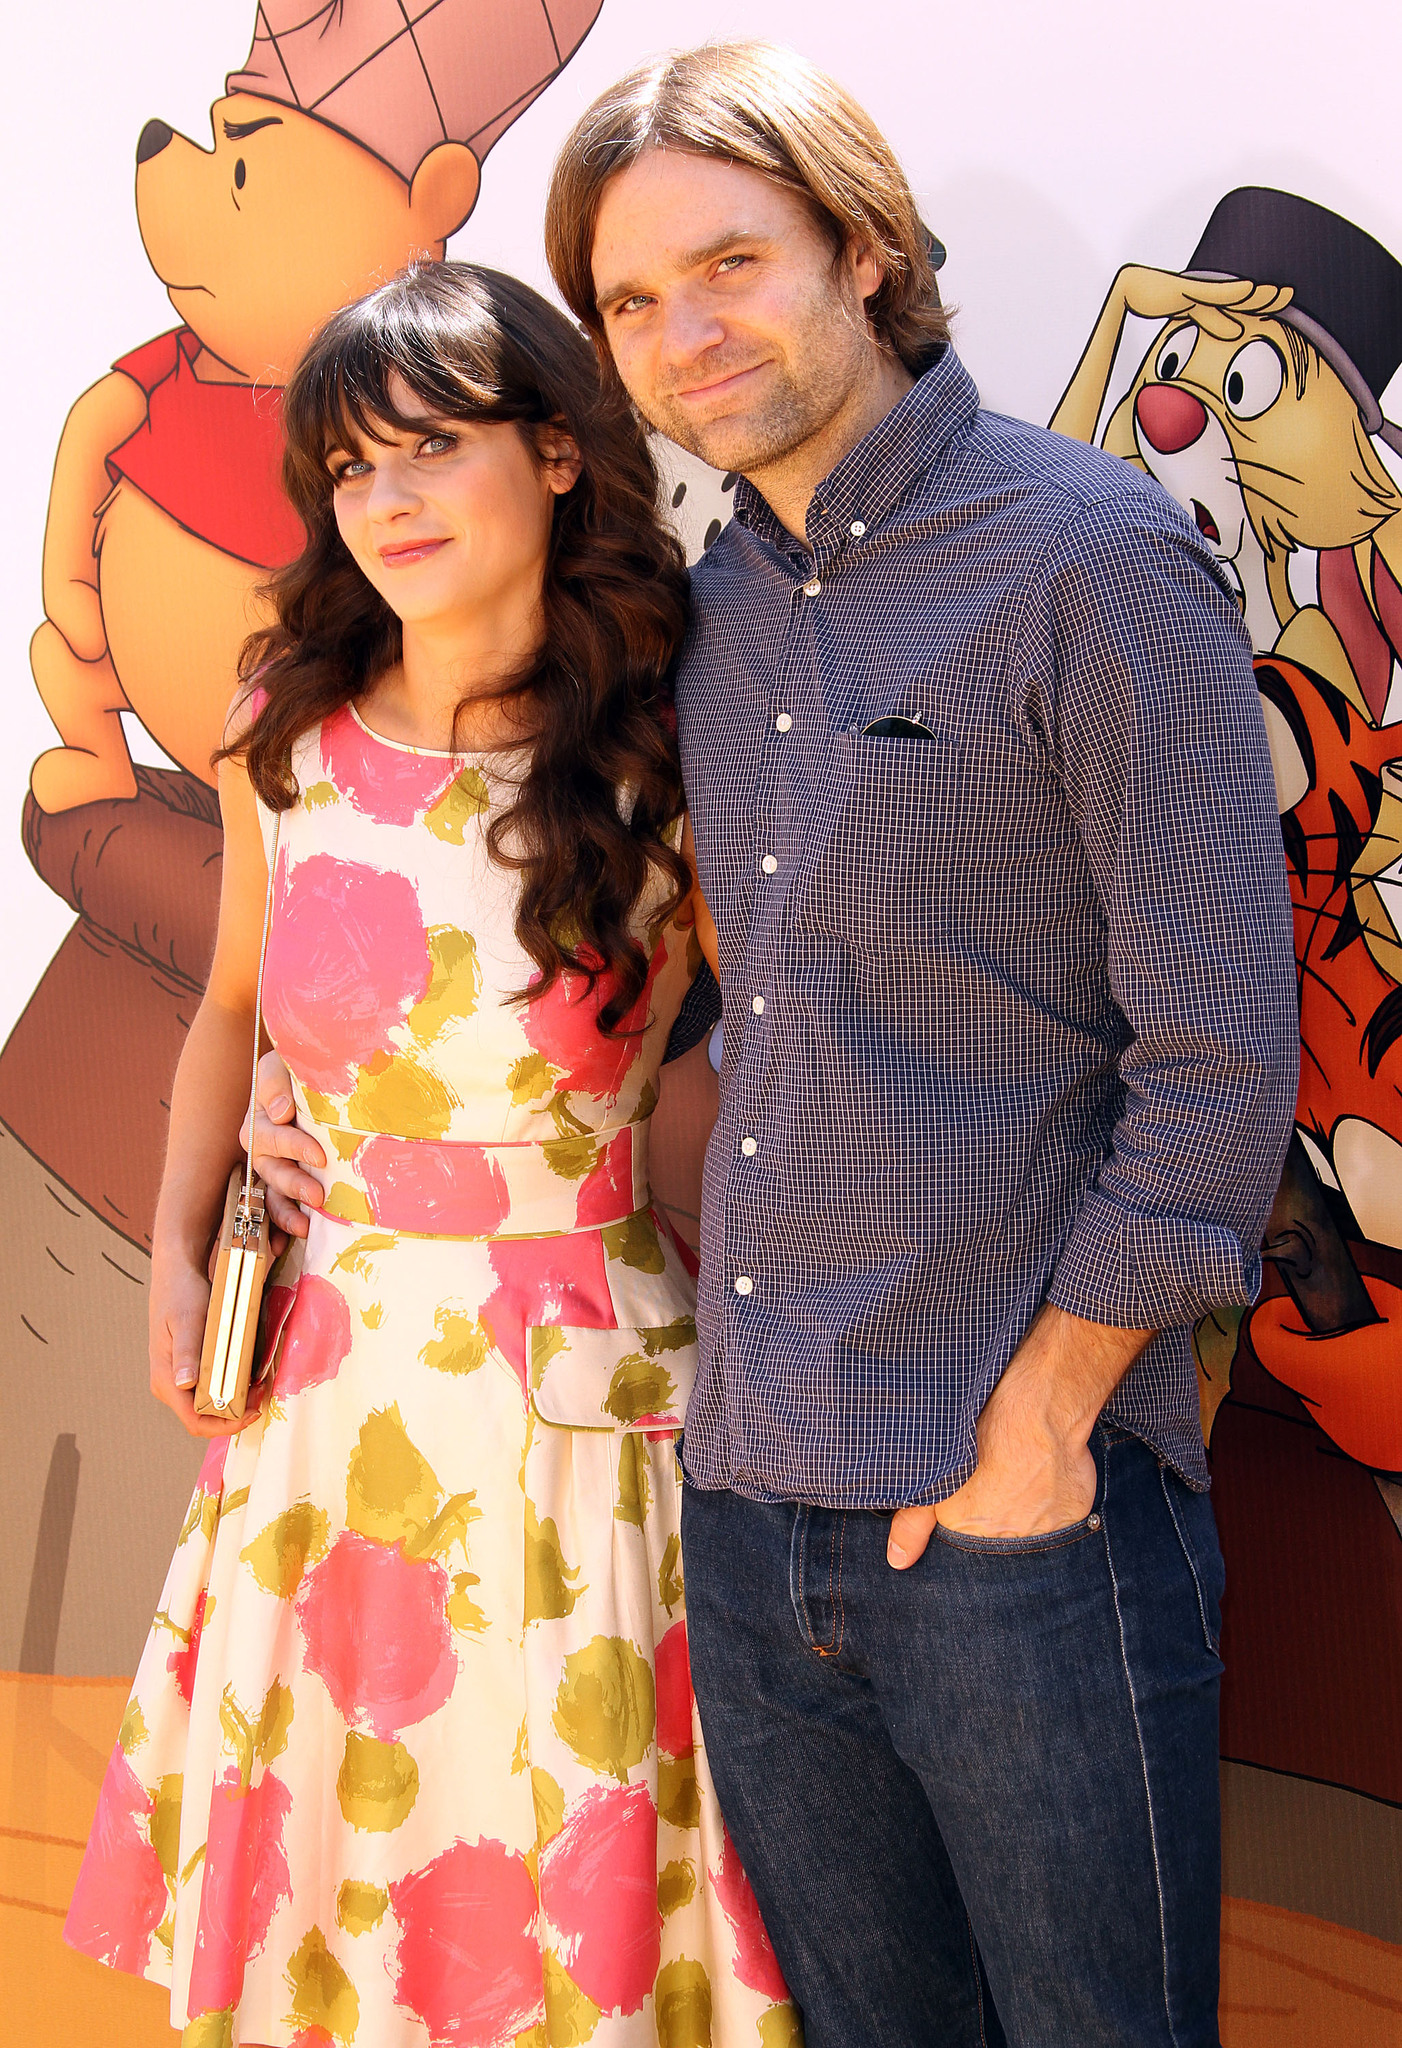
(207, 1105)
(700, 910)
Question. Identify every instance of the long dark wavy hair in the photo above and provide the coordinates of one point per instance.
(587, 824)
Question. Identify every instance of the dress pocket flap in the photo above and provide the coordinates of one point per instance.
(618, 1380)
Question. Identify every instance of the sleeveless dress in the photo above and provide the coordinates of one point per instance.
(412, 1760)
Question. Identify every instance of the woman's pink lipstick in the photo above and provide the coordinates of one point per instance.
(411, 551)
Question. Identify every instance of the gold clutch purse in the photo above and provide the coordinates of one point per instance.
(243, 1255)
(235, 1300)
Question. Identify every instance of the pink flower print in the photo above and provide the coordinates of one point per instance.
(468, 1962)
(672, 1663)
(277, 1307)
(445, 1190)
(598, 1885)
(383, 782)
(181, 1662)
(563, 1026)
(317, 1336)
(245, 1880)
(606, 1192)
(755, 1961)
(120, 1896)
(211, 1479)
(376, 1630)
(347, 960)
(543, 1281)
(690, 1263)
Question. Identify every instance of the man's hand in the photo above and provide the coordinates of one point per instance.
(1035, 1470)
(281, 1150)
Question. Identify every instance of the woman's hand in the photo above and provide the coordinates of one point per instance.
(696, 910)
(178, 1307)
(281, 1150)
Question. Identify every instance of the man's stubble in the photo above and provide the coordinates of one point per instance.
(825, 357)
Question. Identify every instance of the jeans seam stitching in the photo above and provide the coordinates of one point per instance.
(839, 1611)
(826, 1649)
(978, 1986)
(1190, 1561)
(1148, 1789)
(800, 1538)
(997, 1547)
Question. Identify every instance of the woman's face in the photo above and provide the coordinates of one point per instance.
(451, 521)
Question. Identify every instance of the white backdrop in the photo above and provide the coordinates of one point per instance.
(1047, 146)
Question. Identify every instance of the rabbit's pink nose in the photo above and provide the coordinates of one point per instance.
(1169, 417)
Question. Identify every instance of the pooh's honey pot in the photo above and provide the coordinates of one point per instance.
(336, 158)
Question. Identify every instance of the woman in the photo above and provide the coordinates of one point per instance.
(412, 1756)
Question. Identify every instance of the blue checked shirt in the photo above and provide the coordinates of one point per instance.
(985, 815)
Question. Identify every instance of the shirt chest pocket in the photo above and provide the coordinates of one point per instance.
(891, 855)
(620, 1381)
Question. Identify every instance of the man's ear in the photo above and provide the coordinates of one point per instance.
(867, 271)
(444, 191)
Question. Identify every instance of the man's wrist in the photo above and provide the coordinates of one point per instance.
(1062, 1374)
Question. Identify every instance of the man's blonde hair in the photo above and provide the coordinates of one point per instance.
(763, 106)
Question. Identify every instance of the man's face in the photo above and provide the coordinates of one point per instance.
(733, 328)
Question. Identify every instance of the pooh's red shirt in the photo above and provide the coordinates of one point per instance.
(1350, 1047)
(209, 454)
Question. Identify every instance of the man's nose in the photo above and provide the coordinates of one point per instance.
(152, 140)
(1169, 417)
(689, 328)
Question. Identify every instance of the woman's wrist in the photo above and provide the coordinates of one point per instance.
(181, 1236)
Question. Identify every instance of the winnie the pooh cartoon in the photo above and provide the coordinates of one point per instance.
(344, 147)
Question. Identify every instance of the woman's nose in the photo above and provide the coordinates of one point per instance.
(391, 491)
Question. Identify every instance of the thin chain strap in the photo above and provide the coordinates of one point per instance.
(258, 1007)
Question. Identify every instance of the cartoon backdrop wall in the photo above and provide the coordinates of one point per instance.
(1111, 181)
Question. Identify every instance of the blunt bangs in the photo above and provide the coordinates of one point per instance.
(450, 356)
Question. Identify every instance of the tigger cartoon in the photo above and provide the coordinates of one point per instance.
(1257, 405)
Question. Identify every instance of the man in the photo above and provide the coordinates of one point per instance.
(985, 821)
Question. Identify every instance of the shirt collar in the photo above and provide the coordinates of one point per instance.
(875, 475)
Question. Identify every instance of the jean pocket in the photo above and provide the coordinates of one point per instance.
(1036, 1545)
(1196, 1527)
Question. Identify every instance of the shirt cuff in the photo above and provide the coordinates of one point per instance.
(1137, 1272)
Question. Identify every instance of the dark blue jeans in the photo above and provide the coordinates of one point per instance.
(978, 1799)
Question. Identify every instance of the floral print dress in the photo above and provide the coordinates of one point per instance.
(411, 1760)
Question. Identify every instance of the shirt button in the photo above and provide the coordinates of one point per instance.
(749, 1146)
(758, 1006)
(812, 587)
(857, 528)
(769, 864)
(744, 1284)
(782, 722)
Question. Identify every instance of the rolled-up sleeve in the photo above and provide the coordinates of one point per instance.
(1141, 668)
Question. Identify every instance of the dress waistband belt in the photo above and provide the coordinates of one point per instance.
(436, 1188)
